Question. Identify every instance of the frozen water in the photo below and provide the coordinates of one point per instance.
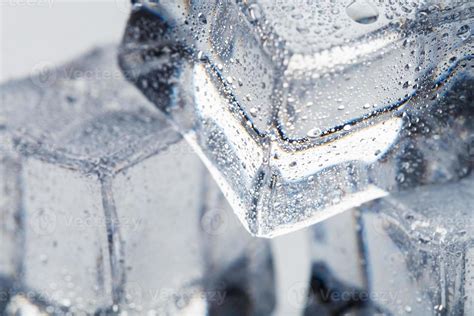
(105, 208)
(410, 252)
(9, 209)
(419, 247)
(188, 249)
(65, 254)
(336, 244)
(303, 110)
(62, 139)
(339, 274)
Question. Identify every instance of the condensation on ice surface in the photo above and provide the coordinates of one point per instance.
(302, 111)
(98, 190)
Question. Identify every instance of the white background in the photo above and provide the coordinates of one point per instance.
(36, 32)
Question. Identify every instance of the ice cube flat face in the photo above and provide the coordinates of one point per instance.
(66, 255)
(98, 190)
(161, 197)
(300, 109)
(181, 211)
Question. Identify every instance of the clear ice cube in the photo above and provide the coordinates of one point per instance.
(188, 249)
(303, 110)
(105, 208)
(419, 249)
(409, 253)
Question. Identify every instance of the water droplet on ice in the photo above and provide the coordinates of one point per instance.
(314, 132)
(253, 112)
(255, 12)
(202, 18)
(362, 11)
(464, 32)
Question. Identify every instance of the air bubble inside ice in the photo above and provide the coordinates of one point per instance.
(362, 11)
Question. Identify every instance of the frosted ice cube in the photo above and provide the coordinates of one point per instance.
(65, 250)
(189, 249)
(337, 244)
(117, 211)
(297, 107)
(61, 140)
(339, 278)
(410, 252)
(419, 249)
(10, 209)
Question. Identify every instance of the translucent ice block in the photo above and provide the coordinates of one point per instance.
(409, 253)
(303, 109)
(105, 208)
(339, 278)
(189, 254)
(420, 250)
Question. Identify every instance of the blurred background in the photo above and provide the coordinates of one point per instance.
(35, 32)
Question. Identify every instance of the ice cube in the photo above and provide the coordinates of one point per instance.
(10, 208)
(188, 250)
(339, 278)
(292, 262)
(419, 249)
(118, 212)
(337, 244)
(410, 252)
(299, 109)
(62, 139)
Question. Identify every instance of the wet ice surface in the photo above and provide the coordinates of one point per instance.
(409, 253)
(105, 208)
(421, 242)
(303, 111)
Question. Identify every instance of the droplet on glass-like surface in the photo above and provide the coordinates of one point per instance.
(464, 32)
(202, 18)
(362, 11)
(255, 12)
(314, 132)
(253, 112)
